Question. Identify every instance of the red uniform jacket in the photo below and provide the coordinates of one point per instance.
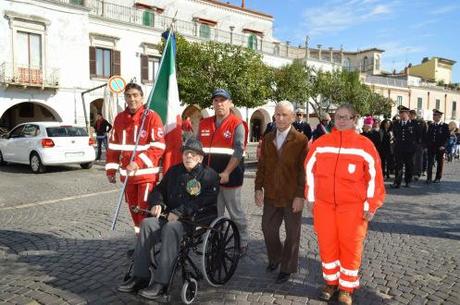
(342, 168)
(149, 150)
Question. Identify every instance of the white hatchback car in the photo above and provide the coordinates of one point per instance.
(40, 144)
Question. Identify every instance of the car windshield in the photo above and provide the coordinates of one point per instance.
(66, 131)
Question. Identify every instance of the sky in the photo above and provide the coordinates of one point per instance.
(408, 30)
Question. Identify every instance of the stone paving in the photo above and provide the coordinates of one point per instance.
(56, 246)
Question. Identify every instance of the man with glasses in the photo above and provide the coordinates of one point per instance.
(184, 190)
(300, 125)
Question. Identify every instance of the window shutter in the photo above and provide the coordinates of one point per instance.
(116, 63)
(92, 61)
(144, 68)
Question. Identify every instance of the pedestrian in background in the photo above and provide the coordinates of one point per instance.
(323, 127)
(436, 141)
(300, 125)
(101, 127)
(407, 137)
(279, 188)
(344, 190)
(420, 146)
(385, 149)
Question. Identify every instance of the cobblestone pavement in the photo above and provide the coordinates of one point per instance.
(56, 246)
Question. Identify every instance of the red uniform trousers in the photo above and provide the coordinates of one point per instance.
(136, 195)
(341, 230)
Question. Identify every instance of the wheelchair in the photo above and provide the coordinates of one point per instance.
(216, 244)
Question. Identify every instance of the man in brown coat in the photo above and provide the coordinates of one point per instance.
(279, 188)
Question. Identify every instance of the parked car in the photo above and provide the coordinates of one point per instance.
(41, 144)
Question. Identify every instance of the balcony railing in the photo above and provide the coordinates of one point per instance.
(28, 76)
(387, 81)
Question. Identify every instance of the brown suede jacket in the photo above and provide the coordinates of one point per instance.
(281, 173)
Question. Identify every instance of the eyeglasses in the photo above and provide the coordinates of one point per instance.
(191, 152)
(299, 114)
(343, 117)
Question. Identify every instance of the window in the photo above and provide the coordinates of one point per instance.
(31, 130)
(148, 18)
(104, 62)
(399, 100)
(438, 104)
(205, 31)
(347, 64)
(149, 68)
(454, 110)
(276, 49)
(252, 42)
(66, 131)
(17, 132)
(29, 57)
(365, 63)
(76, 2)
(377, 62)
(419, 103)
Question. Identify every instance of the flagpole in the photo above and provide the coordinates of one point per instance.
(144, 115)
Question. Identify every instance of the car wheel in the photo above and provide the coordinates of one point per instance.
(86, 165)
(36, 164)
(2, 162)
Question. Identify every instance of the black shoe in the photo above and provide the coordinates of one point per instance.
(133, 284)
(272, 267)
(395, 186)
(437, 180)
(130, 253)
(152, 292)
(283, 277)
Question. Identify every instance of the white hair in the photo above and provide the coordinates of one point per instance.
(286, 104)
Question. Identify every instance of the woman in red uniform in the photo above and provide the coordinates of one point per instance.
(344, 190)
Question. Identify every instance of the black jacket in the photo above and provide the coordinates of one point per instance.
(104, 127)
(173, 194)
(407, 137)
(303, 127)
(437, 135)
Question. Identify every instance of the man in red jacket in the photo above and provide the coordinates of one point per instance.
(142, 172)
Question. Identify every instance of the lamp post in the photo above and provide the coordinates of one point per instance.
(231, 33)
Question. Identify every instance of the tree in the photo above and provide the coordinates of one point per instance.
(203, 67)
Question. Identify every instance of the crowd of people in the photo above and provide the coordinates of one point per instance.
(334, 170)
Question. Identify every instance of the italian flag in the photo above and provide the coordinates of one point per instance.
(164, 100)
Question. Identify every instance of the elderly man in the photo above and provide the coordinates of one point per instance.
(279, 188)
(185, 189)
(223, 136)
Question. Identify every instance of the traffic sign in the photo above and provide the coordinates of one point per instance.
(116, 84)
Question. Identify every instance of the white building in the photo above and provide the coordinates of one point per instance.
(53, 50)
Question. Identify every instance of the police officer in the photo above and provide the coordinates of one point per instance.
(300, 125)
(435, 139)
(418, 157)
(407, 136)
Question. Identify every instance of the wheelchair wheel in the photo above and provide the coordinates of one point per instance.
(220, 252)
(189, 291)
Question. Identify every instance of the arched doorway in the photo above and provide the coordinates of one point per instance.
(28, 112)
(95, 107)
(259, 120)
(194, 113)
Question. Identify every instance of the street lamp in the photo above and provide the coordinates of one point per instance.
(231, 33)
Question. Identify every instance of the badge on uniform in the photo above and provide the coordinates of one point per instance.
(227, 134)
(193, 187)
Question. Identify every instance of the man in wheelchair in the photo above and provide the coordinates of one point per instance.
(186, 190)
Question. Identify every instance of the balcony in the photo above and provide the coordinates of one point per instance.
(11, 75)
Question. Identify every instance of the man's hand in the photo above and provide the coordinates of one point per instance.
(224, 177)
(297, 204)
(112, 179)
(132, 168)
(259, 198)
(172, 217)
(156, 211)
(310, 205)
(368, 215)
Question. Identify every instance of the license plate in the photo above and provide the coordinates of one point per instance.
(74, 155)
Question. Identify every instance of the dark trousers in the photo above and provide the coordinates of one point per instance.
(387, 163)
(101, 140)
(434, 153)
(288, 254)
(418, 161)
(403, 160)
(152, 232)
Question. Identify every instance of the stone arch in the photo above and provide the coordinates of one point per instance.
(30, 111)
(257, 124)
